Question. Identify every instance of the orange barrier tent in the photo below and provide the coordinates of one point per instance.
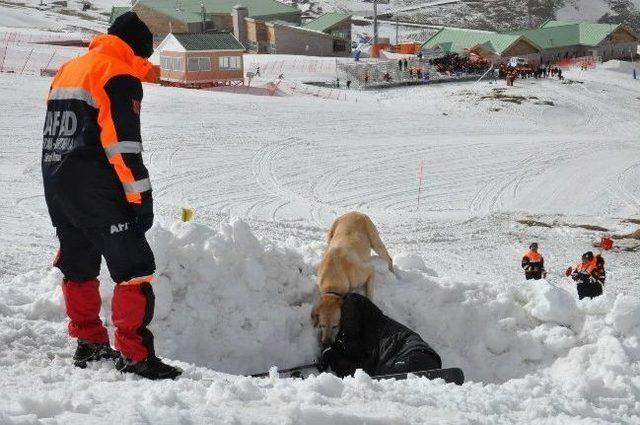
(376, 48)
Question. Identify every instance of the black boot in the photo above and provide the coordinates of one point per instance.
(151, 368)
(90, 352)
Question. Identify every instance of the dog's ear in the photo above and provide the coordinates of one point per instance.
(314, 317)
(332, 230)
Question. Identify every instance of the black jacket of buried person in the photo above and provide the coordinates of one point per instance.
(379, 345)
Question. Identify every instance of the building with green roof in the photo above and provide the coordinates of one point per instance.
(338, 25)
(262, 26)
(328, 21)
(165, 16)
(553, 41)
(561, 39)
(201, 59)
(489, 44)
(284, 38)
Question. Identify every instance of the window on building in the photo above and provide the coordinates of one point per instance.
(339, 46)
(341, 33)
(169, 63)
(193, 64)
(230, 62)
(177, 64)
(165, 63)
(198, 64)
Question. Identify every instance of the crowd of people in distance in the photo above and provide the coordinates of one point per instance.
(510, 73)
(453, 63)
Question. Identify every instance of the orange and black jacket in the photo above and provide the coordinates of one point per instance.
(91, 155)
(587, 270)
(532, 261)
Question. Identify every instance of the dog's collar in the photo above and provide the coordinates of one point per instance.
(335, 294)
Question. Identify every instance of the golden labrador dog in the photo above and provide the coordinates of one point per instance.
(346, 265)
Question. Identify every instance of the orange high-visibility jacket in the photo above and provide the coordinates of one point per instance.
(91, 156)
(533, 259)
(587, 266)
(592, 268)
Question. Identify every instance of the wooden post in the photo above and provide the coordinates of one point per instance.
(50, 59)
(421, 175)
(26, 61)
(4, 54)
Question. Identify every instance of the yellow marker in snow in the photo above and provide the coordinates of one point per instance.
(187, 214)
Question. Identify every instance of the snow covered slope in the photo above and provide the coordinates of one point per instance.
(266, 175)
(46, 15)
(591, 10)
(490, 14)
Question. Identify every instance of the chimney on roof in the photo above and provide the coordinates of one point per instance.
(203, 13)
(239, 25)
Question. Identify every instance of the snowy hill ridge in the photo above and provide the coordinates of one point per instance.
(498, 15)
(236, 304)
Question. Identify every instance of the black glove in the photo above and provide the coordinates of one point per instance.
(143, 222)
(325, 359)
(339, 364)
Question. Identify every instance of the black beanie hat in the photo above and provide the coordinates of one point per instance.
(134, 32)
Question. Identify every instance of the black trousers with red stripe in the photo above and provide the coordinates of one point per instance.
(128, 256)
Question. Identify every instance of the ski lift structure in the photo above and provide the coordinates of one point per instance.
(379, 44)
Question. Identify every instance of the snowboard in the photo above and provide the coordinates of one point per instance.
(294, 372)
(450, 375)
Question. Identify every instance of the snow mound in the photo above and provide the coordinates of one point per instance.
(228, 301)
(548, 303)
(412, 262)
(237, 304)
(620, 66)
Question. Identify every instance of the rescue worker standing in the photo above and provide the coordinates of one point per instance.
(533, 263)
(589, 274)
(98, 195)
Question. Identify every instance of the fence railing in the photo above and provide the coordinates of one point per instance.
(34, 59)
(15, 37)
(370, 74)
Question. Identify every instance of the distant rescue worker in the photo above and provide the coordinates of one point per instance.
(98, 194)
(533, 263)
(589, 274)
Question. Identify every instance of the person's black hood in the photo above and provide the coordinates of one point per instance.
(130, 28)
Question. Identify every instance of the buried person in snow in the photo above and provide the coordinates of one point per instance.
(375, 343)
(589, 274)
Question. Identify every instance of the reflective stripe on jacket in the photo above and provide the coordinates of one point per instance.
(91, 158)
